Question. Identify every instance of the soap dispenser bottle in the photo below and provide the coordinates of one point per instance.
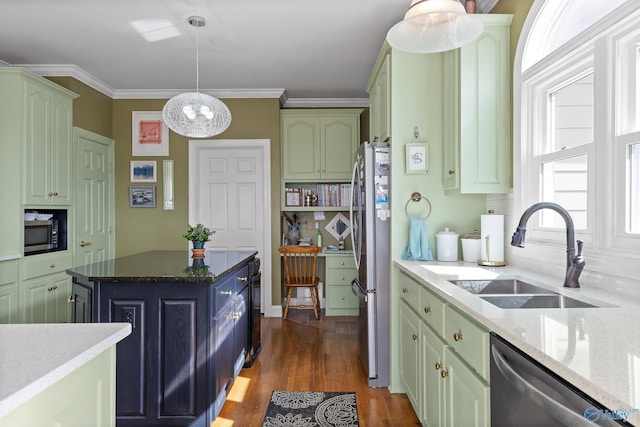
(319, 239)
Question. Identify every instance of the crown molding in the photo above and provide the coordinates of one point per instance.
(218, 93)
(68, 70)
(326, 102)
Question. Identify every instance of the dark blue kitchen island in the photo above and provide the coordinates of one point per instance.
(193, 329)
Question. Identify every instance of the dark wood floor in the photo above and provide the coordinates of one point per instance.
(302, 354)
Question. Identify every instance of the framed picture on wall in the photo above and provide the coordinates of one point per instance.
(417, 158)
(293, 198)
(149, 134)
(142, 196)
(143, 171)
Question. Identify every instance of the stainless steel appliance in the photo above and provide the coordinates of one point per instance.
(370, 223)
(524, 393)
(254, 314)
(41, 236)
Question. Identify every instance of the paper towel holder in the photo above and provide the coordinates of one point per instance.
(487, 262)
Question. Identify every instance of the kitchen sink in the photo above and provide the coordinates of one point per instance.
(514, 293)
(499, 286)
(535, 301)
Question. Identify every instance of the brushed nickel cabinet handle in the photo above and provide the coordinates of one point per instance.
(457, 336)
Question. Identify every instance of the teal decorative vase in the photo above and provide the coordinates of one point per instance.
(198, 245)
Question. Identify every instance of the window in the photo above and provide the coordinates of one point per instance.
(579, 138)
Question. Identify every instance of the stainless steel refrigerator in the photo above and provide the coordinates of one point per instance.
(370, 222)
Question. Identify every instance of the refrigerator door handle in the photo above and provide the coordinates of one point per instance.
(357, 290)
(356, 254)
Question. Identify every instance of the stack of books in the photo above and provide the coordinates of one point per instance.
(305, 241)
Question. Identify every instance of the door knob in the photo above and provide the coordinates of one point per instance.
(83, 244)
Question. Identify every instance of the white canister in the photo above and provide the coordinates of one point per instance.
(447, 245)
(470, 247)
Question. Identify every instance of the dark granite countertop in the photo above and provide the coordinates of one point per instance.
(163, 266)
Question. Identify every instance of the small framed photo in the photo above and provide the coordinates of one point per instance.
(143, 171)
(293, 198)
(417, 158)
(149, 134)
(142, 196)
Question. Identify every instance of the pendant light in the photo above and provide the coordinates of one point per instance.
(431, 26)
(196, 114)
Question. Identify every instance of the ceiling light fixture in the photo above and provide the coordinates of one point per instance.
(196, 114)
(431, 26)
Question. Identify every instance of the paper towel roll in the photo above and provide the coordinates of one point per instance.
(492, 231)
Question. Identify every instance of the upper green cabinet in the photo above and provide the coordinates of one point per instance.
(36, 135)
(380, 99)
(319, 145)
(477, 112)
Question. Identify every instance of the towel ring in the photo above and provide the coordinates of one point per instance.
(416, 197)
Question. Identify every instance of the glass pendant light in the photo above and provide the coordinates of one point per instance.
(431, 26)
(196, 114)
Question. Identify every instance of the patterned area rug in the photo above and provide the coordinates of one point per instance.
(311, 409)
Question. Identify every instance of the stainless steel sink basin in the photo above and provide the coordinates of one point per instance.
(499, 286)
(535, 301)
(514, 293)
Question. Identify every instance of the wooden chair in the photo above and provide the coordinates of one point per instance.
(300, 264)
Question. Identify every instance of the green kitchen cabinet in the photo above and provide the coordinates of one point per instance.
(340, 270)
(85, 397)
(37, 136)
(9, 291)
(477, 112)
(444, 360)
(380, 102)
(46, 288)
(319, 145)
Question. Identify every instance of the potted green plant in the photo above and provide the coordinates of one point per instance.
(198, 235)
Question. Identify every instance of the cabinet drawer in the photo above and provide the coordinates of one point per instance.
(340, 297)
(224, 292)
(432, 310)
(8, 272)
(242, 279)
(340, 276)
(410, 292)
(468, 339)
(340, 262)
(42, 265)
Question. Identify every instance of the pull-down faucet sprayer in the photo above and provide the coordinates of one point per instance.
(575, 262)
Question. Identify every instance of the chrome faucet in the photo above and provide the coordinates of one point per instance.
(575, 262)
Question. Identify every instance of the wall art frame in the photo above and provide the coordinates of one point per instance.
(143, 171)
(149, 134)
(142, 196)
(417, 160)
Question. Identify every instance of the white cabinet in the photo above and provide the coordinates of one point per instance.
(444, 360)
(477, 112)
(9, 291)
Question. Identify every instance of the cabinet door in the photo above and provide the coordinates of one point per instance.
(9, 292)
(61, 178)
(339, 137)
(409, 354)
(81, 303)
(380, 97)
(466, 394)
(240, 330)
(45, 299)
(224, 347)
(37, 143)
(300, 147)
(60, 307)
(432, 351)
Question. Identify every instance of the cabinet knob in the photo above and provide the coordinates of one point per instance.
(50, 288)
(341, 277)
(451, 172)
(404, 290)
(342, 263)
(457, 336)
(444, 374)
(438, 366)
(83, 244)
(427, 309)
(55, 193)
(415, 337)
(243, 279)
(227, 293)
(50, 194)
(342, 298)
(55, 287)
(52, 266)
(71, 300)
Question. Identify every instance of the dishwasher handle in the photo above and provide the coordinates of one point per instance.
(560, 412)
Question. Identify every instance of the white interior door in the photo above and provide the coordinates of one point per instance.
(94, 212)
(230, 192)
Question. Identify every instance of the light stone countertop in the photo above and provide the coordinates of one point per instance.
(603, 361)
(35, 356)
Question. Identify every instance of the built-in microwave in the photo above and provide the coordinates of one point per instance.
(41, 236)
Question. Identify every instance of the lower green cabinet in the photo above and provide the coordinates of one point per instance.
(340, 270)
(443, 386)
(9, 291)
(45, 299)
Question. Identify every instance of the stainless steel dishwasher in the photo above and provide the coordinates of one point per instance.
(524, 393)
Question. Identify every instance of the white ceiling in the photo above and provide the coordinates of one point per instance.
(313, 49)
